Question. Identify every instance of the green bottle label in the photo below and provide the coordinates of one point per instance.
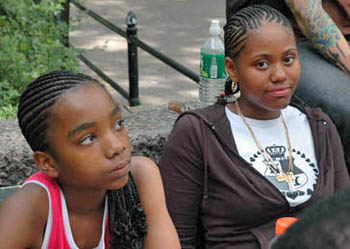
(213, 66)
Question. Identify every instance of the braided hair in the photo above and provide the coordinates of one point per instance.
(249, 18)
(282, 7)
(35, 102)
(127, 222)
(235, 5)
(242, 19)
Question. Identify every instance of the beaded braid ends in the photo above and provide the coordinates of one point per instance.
(127, 220)
(35, 102)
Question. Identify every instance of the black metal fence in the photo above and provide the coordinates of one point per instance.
(130, 34)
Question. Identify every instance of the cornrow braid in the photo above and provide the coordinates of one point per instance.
(35, 102)
(127, 219)
(249, 18)
(282, 7)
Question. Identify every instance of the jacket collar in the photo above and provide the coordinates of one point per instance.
(216, 118)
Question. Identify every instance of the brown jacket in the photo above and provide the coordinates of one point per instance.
(215, 197)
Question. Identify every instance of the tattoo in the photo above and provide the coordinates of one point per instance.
(340, 50)
(319, 27)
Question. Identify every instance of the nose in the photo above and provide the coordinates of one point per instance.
(113, 145)
(278, 73)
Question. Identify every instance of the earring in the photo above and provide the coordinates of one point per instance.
(234, 87)
(232, 91)
(231, 94)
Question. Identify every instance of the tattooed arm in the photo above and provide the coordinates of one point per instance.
(323, 33)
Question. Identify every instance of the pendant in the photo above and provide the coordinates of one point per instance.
(286, 177)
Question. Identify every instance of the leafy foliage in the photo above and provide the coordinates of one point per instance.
(30, 45)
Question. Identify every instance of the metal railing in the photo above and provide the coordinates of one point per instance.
(130, 34)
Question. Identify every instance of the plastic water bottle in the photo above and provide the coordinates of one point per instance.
(212, 66)
(282, 224)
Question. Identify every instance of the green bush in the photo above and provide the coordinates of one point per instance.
(30, 45)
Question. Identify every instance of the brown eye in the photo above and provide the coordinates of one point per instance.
(289, 60)
(87, 140)
(119, 124)
(262, 64)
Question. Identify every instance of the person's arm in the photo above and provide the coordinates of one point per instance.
(182, 171)
(321, 30)
(341, 175)
(22, 219)
(161, 232)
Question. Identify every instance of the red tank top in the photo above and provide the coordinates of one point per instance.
(56, 234)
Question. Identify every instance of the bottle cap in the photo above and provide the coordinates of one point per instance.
(215, 28)
(283, 223)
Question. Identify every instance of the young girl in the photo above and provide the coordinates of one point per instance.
(90, 192)
(231, 169)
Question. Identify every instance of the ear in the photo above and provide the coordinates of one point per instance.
(46, 163)
(231, 69)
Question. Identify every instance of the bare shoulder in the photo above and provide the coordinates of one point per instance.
(29, 198)
(22, 215)
(148, 183)
(161, 231)
(143, 169)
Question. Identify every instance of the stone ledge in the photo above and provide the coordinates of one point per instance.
(148, 128)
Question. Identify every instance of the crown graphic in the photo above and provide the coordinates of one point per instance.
(276, 151)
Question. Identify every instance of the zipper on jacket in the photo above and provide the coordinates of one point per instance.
(320, 127)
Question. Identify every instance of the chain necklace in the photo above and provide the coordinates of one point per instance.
(282, 176)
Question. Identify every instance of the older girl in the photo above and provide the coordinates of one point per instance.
(231, 169)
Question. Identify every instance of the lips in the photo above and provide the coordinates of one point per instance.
(121, 169)
(279, 92)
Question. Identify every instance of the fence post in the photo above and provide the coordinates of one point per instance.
(131, 33)
(64, 15)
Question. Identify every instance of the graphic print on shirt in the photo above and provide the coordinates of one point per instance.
(298, 184)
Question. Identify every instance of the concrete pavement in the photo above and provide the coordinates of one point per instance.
(177, 28)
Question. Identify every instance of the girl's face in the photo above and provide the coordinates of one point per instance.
(267, 71)
(90, 144)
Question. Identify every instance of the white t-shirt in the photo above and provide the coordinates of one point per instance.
(272, 136)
